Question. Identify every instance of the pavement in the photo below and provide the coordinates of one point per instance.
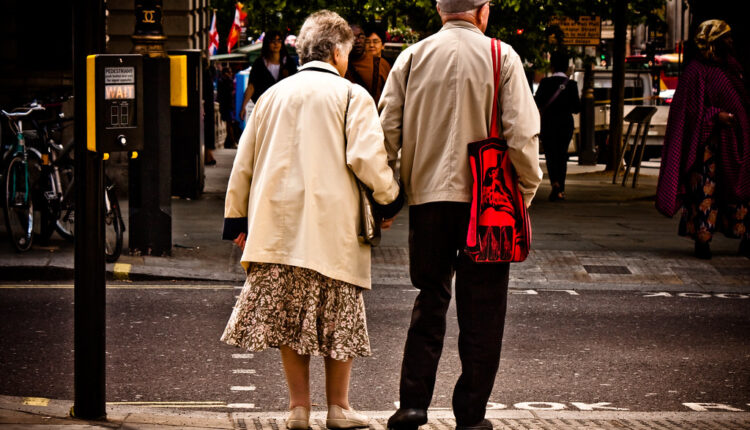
(603, 237)
(46, 414)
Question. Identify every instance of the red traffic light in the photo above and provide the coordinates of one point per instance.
(519, 31)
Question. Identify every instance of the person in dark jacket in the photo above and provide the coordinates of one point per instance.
(273, 65)
(557, 99)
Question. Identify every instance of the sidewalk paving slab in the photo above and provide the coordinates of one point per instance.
(605, 236)
(17, 413)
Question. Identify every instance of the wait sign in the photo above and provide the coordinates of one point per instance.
(586, 30)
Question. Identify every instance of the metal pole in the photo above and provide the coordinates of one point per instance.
(90, 286)
(618, 84)
(587, 150)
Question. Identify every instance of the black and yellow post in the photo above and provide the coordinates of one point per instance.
(150, 210)
(89, 294)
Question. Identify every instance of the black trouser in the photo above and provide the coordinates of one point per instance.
(556, 156)
(437, 235)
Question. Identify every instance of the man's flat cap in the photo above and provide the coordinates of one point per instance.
(453, 6)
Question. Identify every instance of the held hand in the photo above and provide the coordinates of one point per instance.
(240, 240)
(387, 223)
(727, 118)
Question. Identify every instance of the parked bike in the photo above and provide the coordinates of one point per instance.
(39, 183)
(21, 169)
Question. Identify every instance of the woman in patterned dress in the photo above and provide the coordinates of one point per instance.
(292, 206)
(705, 166)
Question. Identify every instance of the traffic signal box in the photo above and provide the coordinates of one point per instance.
(114, 95)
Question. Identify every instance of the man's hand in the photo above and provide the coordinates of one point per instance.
(727, 118)
(387, 223)
(240, 240)
(242, 112)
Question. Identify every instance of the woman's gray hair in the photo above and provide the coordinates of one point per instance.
(321, 34)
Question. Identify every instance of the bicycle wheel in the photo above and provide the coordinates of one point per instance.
(66, 222)
(46, 205)
(19, 206)
(113, 225)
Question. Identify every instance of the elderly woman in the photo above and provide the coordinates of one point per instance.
(705, 166)
(293, 195)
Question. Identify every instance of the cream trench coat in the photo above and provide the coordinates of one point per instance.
(290, 188)
(438, 98)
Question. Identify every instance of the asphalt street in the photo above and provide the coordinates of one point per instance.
(563, 350)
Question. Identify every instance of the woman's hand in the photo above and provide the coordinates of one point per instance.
(240, 240)
(727, 118)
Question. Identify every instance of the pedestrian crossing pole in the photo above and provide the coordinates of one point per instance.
(90, 286)
(150, 175)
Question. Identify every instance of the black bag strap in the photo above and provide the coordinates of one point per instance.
(554, 97)
(319, 69)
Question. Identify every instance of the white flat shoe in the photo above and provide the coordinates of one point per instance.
(299, 418)
(340, 418)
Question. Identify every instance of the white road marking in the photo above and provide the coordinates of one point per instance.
(570, 292)
(705, 407)
(241, 405)
(243, 356)
(592, 406)
(539, 406)
(244, 371)
(525, 292)
(243, 388)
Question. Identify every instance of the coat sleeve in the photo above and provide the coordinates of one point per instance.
(391, 105)
(238, 188)
(365, 150)
(520, 120)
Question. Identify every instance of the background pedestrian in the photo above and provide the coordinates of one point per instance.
(557, 100)
(705, 166)
(273, 65)
(365, 69)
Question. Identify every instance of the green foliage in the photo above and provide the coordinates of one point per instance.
(506, 17)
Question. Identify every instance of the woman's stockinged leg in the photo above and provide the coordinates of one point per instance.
(297, 371)
(337, 381)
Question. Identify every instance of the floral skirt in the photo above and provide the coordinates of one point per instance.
(702, 215)
(299, 308)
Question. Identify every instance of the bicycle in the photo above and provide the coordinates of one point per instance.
(114, 226)
(22, 167)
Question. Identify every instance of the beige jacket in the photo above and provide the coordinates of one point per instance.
(438, 98)
(290, 187)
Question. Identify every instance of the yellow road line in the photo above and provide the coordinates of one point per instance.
(35, 401)
(165, 403)
(117, 287)
(121, 271)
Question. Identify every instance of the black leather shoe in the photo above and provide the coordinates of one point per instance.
(407, 419)
(745, 247)
(482, 425)
(702, 250)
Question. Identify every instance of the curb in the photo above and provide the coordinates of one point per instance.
(25, 412)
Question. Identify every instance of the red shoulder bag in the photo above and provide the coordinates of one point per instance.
(499, 225)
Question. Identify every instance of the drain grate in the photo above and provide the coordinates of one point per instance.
(607, 270)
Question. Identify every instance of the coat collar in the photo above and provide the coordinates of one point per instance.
(459, 23)
(319, 65)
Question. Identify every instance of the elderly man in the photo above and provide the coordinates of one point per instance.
(438, 98)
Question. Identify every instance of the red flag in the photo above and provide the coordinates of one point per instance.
(234, 33)
(213, 38)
